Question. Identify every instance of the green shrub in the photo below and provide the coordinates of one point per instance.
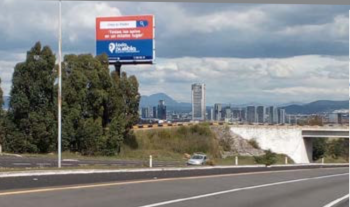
(319, 147)
(268, 159)
(254, 143)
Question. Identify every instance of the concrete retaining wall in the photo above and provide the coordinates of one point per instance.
(282, 140)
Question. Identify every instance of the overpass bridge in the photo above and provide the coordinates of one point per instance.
(294, 141)
(325, 132)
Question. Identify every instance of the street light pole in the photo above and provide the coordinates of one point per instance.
(59, 83)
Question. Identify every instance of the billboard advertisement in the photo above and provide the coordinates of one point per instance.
(126, 39)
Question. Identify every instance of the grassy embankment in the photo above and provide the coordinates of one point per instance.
(175, 143)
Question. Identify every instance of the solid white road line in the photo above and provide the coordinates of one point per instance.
(335, 202)
(240, 189)
(21, 164)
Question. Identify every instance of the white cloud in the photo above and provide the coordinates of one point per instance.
(337, 30)
(6, 71)
(80, 18)
(205, 45)
(238, 80)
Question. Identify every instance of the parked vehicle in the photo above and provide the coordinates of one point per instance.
(197, 159)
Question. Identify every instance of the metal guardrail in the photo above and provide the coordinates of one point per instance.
(177, 124)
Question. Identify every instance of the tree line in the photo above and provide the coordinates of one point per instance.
(99, 108)
(333, 148)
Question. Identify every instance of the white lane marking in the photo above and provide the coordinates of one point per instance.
(335, 202)
(70, 160)
(239, 189)
(160, 169)
(21, 164)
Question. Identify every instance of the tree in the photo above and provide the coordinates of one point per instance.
(319, 148)
(33, 103)
(339, 148)
(99, 108)
(315, 121)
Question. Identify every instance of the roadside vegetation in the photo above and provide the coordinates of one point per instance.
(254, 143)
(173, 143)
(99, 108)
(332, 150)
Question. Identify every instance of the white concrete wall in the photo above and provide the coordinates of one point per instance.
(284, 140)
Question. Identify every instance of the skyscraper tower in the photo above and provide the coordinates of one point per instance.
(217, 112)
(161, 110)
(198, 102)
(251, 114)
(273, 115)
(281, 116)
(260, 112)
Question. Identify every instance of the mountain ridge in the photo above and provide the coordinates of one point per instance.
(318, 106)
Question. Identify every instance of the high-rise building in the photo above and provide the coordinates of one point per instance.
(228, 113)
(145, 113)
(198, 102)
(236, 114)
(161, 110)
(281, 116)
(243, 114)
(340, 118)
(211, 114)
(217, 112)
(251, 114)
(273, 115)
(260, 112)
(155, 112)
(335, 118)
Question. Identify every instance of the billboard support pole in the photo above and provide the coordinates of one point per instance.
(59, 140)
(117, 67)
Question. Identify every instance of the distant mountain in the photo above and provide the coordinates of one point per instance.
(153, 100)
(317, 107)
(291, 103)
(6, 102)
(172, 105)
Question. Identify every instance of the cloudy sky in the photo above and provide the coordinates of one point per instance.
(269, 54)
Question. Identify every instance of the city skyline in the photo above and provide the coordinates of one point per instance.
(272, 54)
(238, 103)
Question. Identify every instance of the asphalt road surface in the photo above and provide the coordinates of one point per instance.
(293, 188)
(37, 162)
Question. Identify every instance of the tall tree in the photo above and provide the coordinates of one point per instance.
(99, 108)
(33, 103)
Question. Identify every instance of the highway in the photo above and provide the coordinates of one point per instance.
(39, 162)
(303, 187)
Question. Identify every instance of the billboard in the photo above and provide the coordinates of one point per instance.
(126, 39)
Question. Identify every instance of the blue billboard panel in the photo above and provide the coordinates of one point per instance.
(126, 50)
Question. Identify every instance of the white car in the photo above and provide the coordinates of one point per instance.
(197, 159)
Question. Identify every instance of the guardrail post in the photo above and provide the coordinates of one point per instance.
(150, 161)
(322, 160)
(236, 160)
(286, 160)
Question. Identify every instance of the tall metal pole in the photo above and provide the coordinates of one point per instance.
(59, 82)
